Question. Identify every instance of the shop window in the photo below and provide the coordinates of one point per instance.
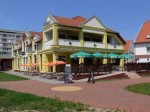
(62, 58)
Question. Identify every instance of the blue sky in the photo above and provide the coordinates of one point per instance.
(124, 16)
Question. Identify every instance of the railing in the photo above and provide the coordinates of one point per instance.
(68, 42)
(5, 56)
(47, 44)
(93, 44)
(12, 38)
(6, 50)
(6, 42)
(112, 46)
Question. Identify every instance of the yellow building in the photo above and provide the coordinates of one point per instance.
(25, 50)
(62, 37)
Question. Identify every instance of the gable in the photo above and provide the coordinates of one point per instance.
(35, 38)
(94, 22)
(49, 20)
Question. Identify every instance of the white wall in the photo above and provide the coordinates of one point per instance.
(66, 42)
(111, 46)
(91, 44)
(93, 31)
(29, 49)
(141, 49)
(131, 49)
(94, 23)
(48, 44)
(39, 46)
(47, 40)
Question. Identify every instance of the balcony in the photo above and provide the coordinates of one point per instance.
(34, 51)
(68, 42)
(113, 46)
(5, 56)
(93, 44)
(47, 44)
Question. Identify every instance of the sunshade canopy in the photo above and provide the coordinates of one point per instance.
(81, 54)
(112, 55)
(126, 56)
(97, 55)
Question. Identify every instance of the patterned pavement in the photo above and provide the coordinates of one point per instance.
(106, 94)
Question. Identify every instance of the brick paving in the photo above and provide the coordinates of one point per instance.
(109, 94)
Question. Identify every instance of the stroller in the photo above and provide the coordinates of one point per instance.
(68, 74)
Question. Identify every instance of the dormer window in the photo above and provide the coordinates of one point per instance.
(148, 36)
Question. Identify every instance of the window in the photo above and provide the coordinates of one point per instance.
(74, 37)
(62, 58)
(148, 36)
(4, 44)
(35, 60)
(97, 39)
(86, 39)
(62, 36)
(108, 40)
(4, 35)
(35, 47)
(4, 40)
(148, 49)
(18, 36)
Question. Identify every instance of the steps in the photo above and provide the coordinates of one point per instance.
(132, 75)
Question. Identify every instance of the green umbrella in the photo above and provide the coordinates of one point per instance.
(97, 55)
(105, 56)
(81, 54)
(126, 56)
(112, 55)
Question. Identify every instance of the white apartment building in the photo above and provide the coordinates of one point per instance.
(7, 38)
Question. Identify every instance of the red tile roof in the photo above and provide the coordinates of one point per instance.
(127, 46)
(35, 33)
(75, 22)
(19, 41)
(144, 31)
(32, 34)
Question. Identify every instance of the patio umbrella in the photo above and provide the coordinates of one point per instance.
(105, 56)
(128, 56)
(97, 55)
(22, 64)
(58, 63)
(112, 55)
(48, 64)
(31, 64)
(81, 54)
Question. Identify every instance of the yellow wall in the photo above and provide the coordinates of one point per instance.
(44, 60)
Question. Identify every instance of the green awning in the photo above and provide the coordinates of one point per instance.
(81, 54)
(126, 56)
(112, 55)
(97, 55)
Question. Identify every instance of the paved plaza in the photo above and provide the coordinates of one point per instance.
(106, 94)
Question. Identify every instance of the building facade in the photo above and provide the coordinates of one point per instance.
(142, 43)
(129, 49)
(7, 38)
(62, 37)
